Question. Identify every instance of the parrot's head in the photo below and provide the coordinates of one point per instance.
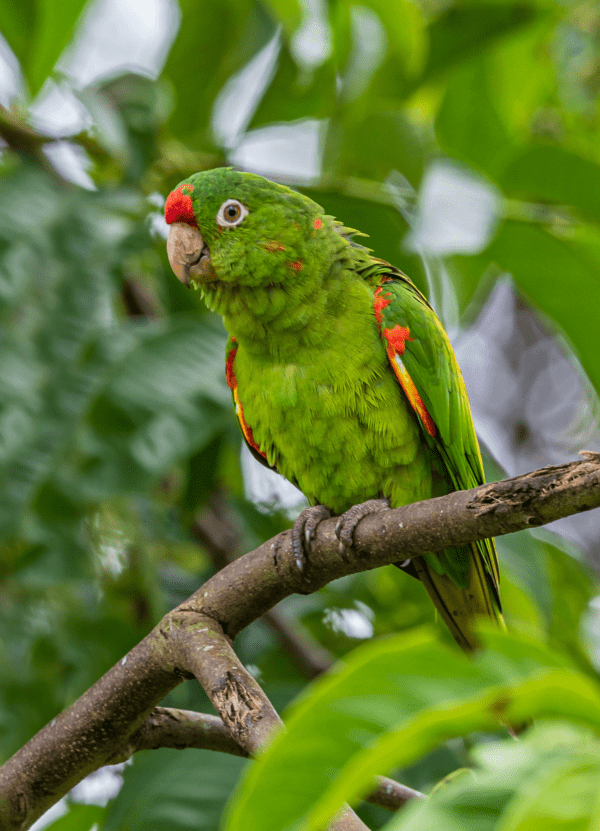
(238, 229)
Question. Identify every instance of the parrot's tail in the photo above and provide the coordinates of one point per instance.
(460, 607)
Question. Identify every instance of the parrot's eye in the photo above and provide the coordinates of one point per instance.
(231, 213)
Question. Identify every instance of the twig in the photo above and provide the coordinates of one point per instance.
(194, 639)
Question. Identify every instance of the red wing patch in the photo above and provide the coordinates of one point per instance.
(396, 338)
(395, 341)
(239, 411)
(381, 301)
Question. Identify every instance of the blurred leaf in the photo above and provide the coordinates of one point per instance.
(468, 125)
(38, 32)
(174, 790)
(553, 174)
(296, 92)
(405, 31)
(565, 794)
(371, 145)
(464, 30)
(79, 818)
(286, 12)
(548, 780)
(214, 41)
(15, 25)
(571, 289)
(410, 681)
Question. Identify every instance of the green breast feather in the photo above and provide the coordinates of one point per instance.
(342, 376)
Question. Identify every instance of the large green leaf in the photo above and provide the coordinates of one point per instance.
(286, 12)
(405, 32)
(393, 701)
(549, 779)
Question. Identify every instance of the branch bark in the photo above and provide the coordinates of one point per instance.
(170, 727)
(194, 640)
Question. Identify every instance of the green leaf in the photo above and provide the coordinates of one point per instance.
(337, 737)
(215, 40)
(467, 30)
(79, 818)
(548, 779)
(296, 92)
(547, 270)
(286, 12)
(557, 693)
(467, 125)
(553, 174)
(174, 790)
(566, 796)
(370, 145)
(15, 24)
(38, 33)
(405, 31)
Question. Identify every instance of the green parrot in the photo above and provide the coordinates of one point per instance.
(342, 376)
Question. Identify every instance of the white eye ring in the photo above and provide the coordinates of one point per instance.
(231, 213)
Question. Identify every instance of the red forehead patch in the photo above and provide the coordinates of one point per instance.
(179, 208)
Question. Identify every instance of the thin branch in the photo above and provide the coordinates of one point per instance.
(195, 638)
(170, 727)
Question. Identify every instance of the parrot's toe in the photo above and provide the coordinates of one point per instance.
(346, 525)
(304, 531)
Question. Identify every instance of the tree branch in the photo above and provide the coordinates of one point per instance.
(195, 638)
(170, 727)
(215, 531)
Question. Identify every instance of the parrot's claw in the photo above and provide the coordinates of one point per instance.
(304, 531)
(346, 524)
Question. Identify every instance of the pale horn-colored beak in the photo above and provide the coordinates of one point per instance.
(188, 255)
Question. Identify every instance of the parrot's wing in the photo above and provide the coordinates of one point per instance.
(255, 450)
(422, 359)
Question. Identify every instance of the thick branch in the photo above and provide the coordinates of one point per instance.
(242, 591)
(105, 718)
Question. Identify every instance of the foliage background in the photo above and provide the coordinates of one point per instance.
(461, 136)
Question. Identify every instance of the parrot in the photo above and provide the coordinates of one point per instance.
(342, 376)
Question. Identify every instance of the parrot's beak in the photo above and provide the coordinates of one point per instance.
(188, 254)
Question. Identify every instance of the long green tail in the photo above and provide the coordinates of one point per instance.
(460, 607)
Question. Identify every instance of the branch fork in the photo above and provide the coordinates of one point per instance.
(119, 714)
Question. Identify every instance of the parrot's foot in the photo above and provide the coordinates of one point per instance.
(346, 525)
(304, 531)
